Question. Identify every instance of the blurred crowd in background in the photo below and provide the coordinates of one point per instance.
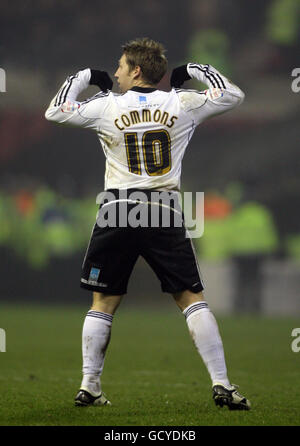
(39, 223)
(246, 162)
(51, 36)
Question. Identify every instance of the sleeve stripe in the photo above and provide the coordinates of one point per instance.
(179, 90)
(208, 74)
(67, 89)
(212, 77)
(101, 94)
(221, 80)
(59, 101)
(61, 95)
(58, 95)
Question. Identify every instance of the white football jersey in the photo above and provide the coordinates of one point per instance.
(144, 132)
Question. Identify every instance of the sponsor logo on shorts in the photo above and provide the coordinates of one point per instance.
(94, 274)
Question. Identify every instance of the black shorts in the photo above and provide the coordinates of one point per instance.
(113, 252)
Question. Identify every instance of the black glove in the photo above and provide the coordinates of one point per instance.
(179, 76)
(102, 79)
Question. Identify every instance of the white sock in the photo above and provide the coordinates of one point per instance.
(204, 330)
(95, 338)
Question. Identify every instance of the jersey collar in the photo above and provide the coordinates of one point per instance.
(143, 89)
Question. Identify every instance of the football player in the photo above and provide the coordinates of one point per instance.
(144, 133)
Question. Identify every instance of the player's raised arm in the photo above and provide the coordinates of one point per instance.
(64, 107)
(222, 95)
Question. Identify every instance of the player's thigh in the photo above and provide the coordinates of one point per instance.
(172, 257)
(109, 260)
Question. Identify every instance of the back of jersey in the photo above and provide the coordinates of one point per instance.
(144, 133)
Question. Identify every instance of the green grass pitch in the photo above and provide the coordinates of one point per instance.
(152, 375)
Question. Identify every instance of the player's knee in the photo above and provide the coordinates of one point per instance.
(105, 302)
(185, 298)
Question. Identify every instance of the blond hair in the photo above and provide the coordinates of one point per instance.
(149, 55)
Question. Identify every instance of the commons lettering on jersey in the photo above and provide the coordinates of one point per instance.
(145, 115)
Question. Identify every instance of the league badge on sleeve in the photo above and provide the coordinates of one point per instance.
(69, 106)
(215, 93)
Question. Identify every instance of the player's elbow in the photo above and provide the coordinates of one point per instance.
(237, 98)
(49, 115)
(241, 96)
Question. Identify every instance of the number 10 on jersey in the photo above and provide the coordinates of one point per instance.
(156, 150)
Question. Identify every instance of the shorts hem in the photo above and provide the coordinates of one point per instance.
(99, 289)
(180, 290)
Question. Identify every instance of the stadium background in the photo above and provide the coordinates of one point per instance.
(246, 162)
